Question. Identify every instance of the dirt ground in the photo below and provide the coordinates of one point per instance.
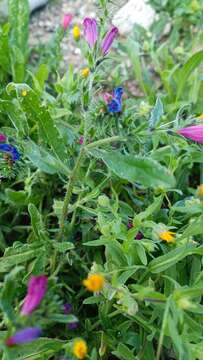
(44, 21)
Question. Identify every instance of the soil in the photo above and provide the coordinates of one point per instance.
(44, 22)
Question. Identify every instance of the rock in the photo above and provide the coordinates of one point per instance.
(134, 12)
(34, 4)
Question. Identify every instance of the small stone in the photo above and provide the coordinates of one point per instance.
(134, 12)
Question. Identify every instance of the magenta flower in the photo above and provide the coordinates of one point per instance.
(108, 40)
(194, 132)
(107, 97)
(37, 288)
(73, 325)
(139, 236)
(23, 336)
(90, 31)
(81, 140)
(2, 138)
(129, 225)
(66, 21)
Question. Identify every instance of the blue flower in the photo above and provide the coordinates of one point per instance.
(115, 106)
(11, 150)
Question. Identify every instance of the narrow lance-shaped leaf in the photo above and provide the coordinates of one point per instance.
(35, 111)
(156, 114)
(193, 62)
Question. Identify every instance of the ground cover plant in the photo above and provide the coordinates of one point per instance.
(101, 168)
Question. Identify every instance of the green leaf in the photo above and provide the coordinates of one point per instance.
(19, 21)
(194, 228)
(35, 350)
(43, 160)
(93, 300)
(156, 114)
(19, 255)
(17, 198)
(163, 262)
(14, 111)
(63, 246)
(34, 109)
(4, 49)
(36, 221)
(151, 210)
(145, 171)
(8, 293)
(193, 62)
(123, 353)
(65, 319)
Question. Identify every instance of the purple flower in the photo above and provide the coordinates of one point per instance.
(129, 225)
(108, 40)
(81, 140)
(66, 21)
(37, 287)
(73, 325)
(194, 132)
(11, 150)
(24, 336)
(139, 236)
(90, 31)
(67, 308)
(2, 137)
(115, 106)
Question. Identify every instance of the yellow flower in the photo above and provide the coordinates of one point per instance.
(85, 72)
(94, 282)
(200, 117)
(76, 32)
(24, 93)
(80, 349)
(167, 236)
(201, 190)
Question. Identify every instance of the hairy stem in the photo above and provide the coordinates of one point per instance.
(69, 191)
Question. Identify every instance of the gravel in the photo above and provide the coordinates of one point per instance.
(44, 22)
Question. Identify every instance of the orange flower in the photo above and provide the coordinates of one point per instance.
(94, 282)
(167, 236)
(80, 349)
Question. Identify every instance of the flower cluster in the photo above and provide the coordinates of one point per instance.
(10, 150)
(91, 35)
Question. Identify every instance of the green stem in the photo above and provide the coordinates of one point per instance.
(69, 191)
(104, 142)
(161, 338)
